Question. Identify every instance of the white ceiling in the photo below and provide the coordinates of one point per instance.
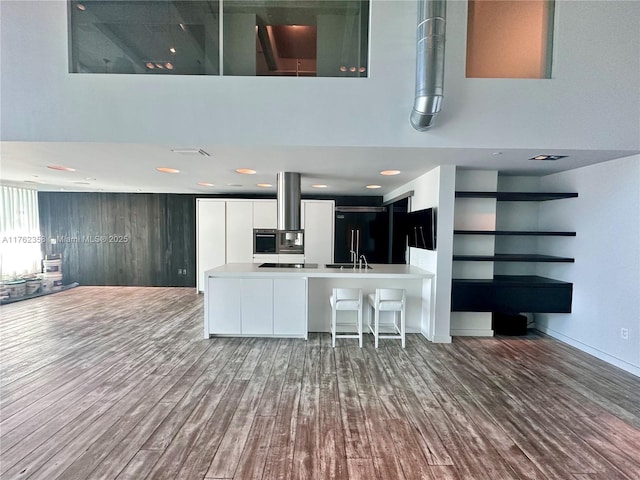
(114, 167)
(116, 129)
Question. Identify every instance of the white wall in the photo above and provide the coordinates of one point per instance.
(435, 188)
(606, 273)
(474, 214)
(41, 101)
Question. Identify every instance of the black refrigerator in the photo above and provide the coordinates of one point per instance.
(365, 229)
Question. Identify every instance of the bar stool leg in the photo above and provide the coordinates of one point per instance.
(333, 326)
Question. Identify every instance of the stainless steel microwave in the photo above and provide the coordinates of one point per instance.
(265, 240)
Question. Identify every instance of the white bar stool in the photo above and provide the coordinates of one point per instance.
(388, 300)
(346, 299)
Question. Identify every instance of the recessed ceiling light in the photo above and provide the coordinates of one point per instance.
(343, 68)
(206, 184)
(61, 168)
(150, 65)
(548, 157)
(169, 65)
(245, 171)
(233, 185)
(172, 49)
(319, 185)
(167, 170)
(82, 183)
(389, 172)
(81, 7)
(373, 186)
(264, 185)
(362, 69)
(496, 153)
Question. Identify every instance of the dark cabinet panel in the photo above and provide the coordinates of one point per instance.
(512, 293)
(121, 238)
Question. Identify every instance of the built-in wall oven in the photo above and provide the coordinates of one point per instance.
(265, 240)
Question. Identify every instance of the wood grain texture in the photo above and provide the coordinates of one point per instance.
(117, 383)
(135, 239)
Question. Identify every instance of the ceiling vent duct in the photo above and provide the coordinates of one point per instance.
(429, 63)
(288, 201)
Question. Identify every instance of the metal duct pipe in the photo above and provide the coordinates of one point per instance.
(429, 63)
(288, 201)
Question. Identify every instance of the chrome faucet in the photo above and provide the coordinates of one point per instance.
(354, 255)
(366, 264)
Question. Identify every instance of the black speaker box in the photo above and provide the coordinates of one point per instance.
(509, 324)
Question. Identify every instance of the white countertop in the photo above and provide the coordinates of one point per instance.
(377, 270)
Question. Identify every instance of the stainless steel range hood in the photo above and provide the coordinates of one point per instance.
(288, 201)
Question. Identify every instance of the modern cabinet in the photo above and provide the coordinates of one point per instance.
(251, 306)
(256, 306)
(290, 307)
(224, 313)
(513, 293)
(239, 231)
(210, 236)
(265, 214)
(318, 224)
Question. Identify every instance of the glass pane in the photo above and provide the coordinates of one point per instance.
(509, 38)
(323, 38)
(154, 37)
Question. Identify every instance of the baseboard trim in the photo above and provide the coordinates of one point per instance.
(616, 362)
(470, 332)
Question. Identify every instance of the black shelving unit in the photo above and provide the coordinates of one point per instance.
(517, 196)
(514, 233)
(513, 257)
(513, 293)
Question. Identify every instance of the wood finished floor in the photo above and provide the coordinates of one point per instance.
(112, 382)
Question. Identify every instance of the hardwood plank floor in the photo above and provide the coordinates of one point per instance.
(117, 383)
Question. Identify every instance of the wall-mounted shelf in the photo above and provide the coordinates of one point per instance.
(513, 257)
(514, 233)
(511, 293)
(517, 196)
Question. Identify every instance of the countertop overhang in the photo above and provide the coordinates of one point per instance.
(378, 270)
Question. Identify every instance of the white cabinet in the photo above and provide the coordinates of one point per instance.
(290, 307)
(265, 214)
(224, 298)
(266, 258)
(239, 232)
(251, 306)
(291, 258)
(318, 221)
(210, 237)
(257, 306)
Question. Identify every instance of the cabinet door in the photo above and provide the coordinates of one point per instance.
(224, 300)
(210, 237)
(291, 258)
(290, 307)
(257, 306)
(239, 231)
(265, 214)
(318, 231)
(266, 258)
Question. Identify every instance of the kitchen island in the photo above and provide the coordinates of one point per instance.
(245, 299)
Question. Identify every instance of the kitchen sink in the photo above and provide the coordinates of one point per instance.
(344, 266)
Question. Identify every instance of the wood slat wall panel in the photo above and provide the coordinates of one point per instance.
(160, 227)
(117, 383)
